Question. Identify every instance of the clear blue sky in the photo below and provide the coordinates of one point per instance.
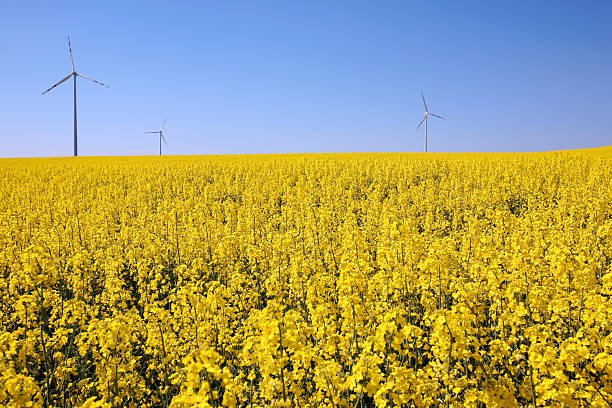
(308, 76)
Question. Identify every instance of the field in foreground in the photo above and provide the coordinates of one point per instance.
(307, 280)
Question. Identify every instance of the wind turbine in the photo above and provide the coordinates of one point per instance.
(161, 135)
(74, 76)
(427, 114)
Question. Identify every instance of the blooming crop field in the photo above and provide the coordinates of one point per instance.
(349, 280)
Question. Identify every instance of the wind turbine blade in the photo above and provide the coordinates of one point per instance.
(153, 132)
(424, 103)
(70, 49)
(163, 124)
(424, 117)
(93, 80)
(437, 116)
(63, 80)
(162, 135)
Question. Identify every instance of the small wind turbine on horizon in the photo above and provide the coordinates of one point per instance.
(427, 114)
(161, 135)
(74, 76)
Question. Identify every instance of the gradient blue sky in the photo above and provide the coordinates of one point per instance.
(311, 76)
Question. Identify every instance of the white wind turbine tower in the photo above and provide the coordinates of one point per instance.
(74, 76)
(427, 114)
(161, 135)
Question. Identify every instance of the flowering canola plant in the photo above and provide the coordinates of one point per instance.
(349, 280)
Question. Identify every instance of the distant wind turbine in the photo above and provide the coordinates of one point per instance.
(161, 135)
(427, 113)
(74, 76)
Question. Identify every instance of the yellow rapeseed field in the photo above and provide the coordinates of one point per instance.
(349, 280)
